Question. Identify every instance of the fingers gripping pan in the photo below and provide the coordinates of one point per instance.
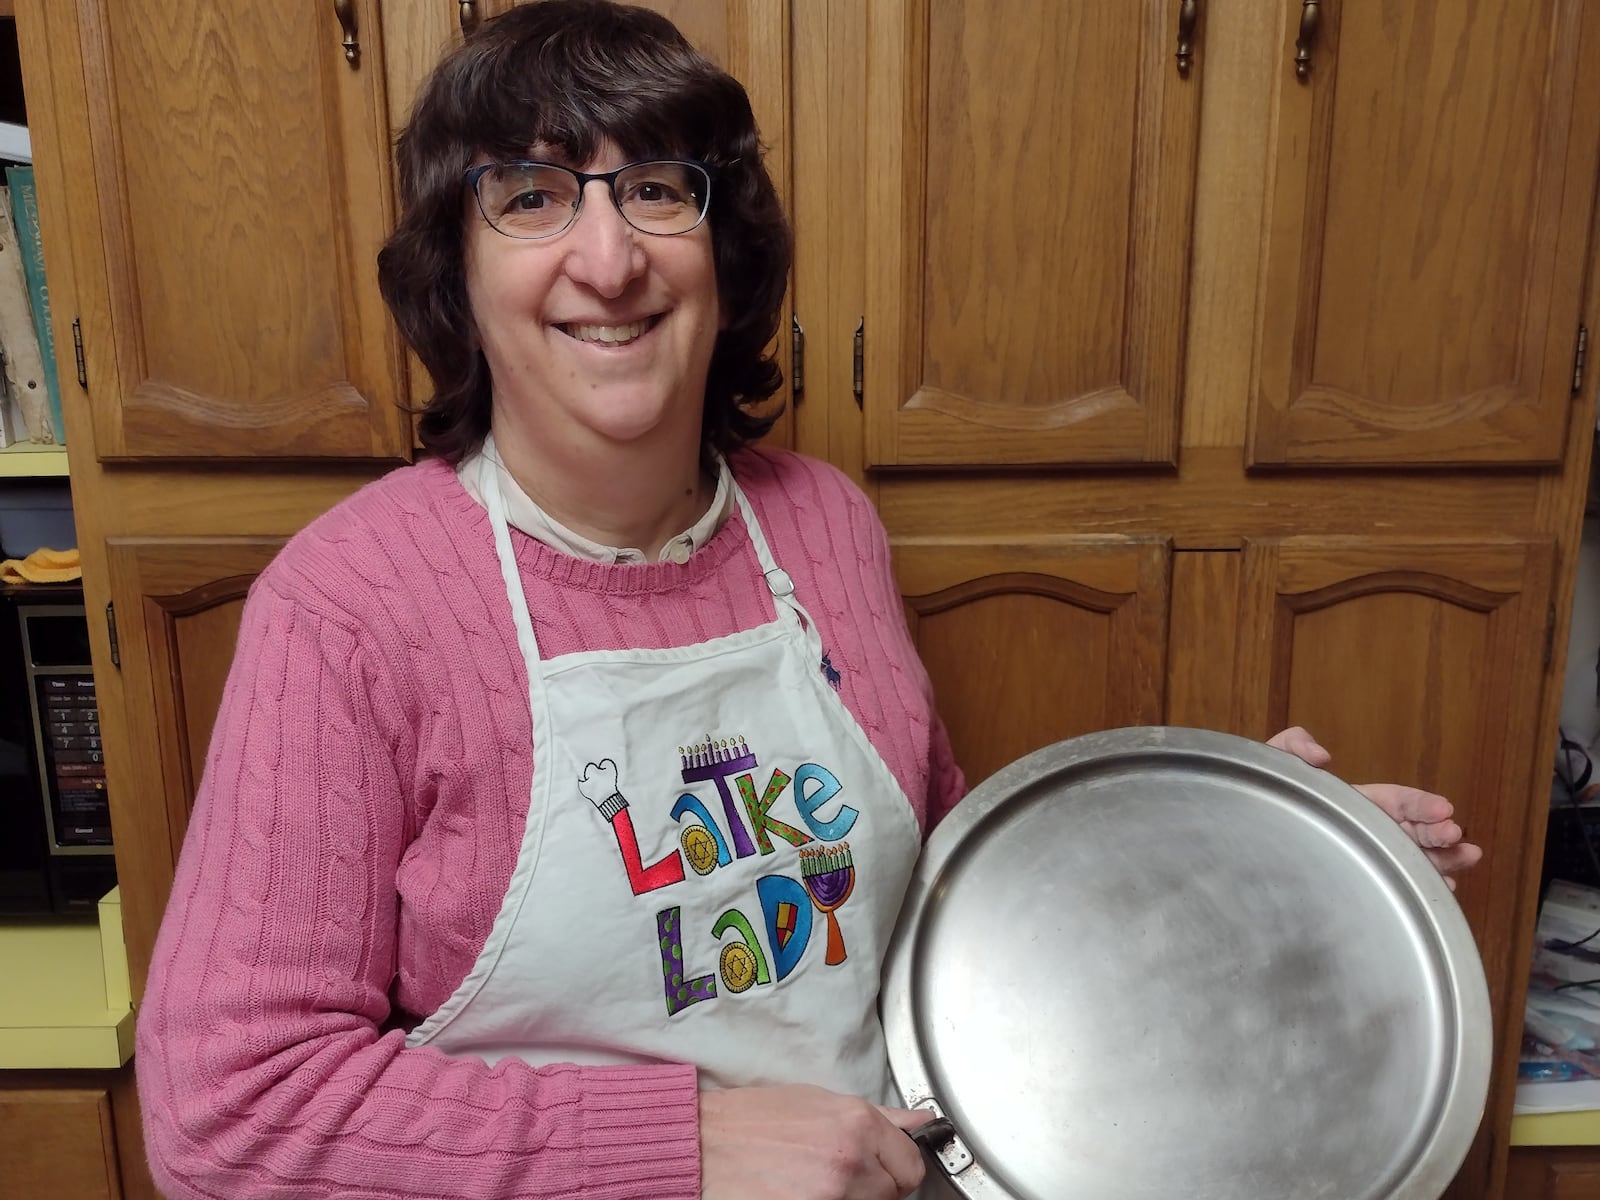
(1167, 962)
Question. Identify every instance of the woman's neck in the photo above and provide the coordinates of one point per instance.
(639, 495)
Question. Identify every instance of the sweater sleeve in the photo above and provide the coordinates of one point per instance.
(263, 1063)
(946, 783)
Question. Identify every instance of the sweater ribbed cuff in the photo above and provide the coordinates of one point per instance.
(641, 1133)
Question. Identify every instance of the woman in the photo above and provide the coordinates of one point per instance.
(533, 755)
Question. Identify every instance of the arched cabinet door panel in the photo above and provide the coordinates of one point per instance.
(1420, 664)
(178, 602)
(1030, 642)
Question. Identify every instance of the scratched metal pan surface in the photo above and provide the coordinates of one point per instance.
(1168, 962)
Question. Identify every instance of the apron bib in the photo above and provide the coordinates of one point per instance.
(713, 863)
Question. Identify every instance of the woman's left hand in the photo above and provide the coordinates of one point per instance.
(1425, 816)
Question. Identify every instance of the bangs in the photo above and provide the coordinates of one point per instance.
(636, 84)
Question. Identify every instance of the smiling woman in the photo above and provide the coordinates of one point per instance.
(566, 786)
(539, 758)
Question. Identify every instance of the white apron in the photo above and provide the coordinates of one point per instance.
(713, 862)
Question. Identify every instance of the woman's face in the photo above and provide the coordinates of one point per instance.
(599, 332)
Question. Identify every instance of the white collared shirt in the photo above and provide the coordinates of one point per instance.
(522, 513)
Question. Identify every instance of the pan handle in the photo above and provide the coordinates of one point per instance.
(938, 1137)
(935, 1135)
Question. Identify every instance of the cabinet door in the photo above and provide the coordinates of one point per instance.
(1427, 230)
(1030, 642)
(227, 181)
(1416, 663)
(1552, 1173)
(178, 602)
(1030, 177)
(58, 1142)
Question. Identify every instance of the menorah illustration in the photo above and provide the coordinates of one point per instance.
(829, 874)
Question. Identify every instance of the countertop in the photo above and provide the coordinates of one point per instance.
(64, 997)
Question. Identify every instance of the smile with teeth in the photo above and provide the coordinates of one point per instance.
(610, 335)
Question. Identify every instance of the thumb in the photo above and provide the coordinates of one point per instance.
(906, 1118)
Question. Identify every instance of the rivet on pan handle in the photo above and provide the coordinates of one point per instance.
(939, 1138)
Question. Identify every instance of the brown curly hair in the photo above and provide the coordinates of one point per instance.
(572, 74)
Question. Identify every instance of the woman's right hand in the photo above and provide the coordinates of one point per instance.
(805, 1143)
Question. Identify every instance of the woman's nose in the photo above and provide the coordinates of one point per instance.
(603, 251)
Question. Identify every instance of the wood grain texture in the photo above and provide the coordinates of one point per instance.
(1032, 641)
(809, 195)
(1553, 1173)
(58, 1142)
(1202, 637)
(1239, 43)
(1028, 218)
(270, 199)
(1421, 662)
(132, 1163)
(1411, 313)
(1208, 503)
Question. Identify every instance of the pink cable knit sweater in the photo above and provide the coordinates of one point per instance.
(361, 810)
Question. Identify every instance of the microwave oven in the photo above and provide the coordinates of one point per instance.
(56, 853)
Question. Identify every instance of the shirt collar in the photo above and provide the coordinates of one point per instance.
(524, 514)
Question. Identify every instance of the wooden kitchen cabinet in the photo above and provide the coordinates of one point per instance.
(1274, 317)
(1035, 640)
(241, 157)
(1552, 1173)
(59, 1142)
(1027, 211)
(72, 1135)
(1430, 192)
(1189, 391)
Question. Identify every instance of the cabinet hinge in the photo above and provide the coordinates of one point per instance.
(77, 352)
(1578, 357)
(855, 370)
(1549, 634)
(111, 630)
(797, 358)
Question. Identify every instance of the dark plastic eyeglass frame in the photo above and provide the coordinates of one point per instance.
(584, 178)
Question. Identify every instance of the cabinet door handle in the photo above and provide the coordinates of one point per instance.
(345, 10)
(1188, 13)
(1310, 21)
(470, 17)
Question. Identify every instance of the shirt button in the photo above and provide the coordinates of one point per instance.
(678, 551)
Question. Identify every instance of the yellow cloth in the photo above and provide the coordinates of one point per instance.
(42, 566)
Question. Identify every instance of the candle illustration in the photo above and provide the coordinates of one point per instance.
(829, 875)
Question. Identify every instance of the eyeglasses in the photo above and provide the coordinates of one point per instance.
(525, 199)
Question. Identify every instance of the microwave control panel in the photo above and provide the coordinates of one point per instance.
(67, 728)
